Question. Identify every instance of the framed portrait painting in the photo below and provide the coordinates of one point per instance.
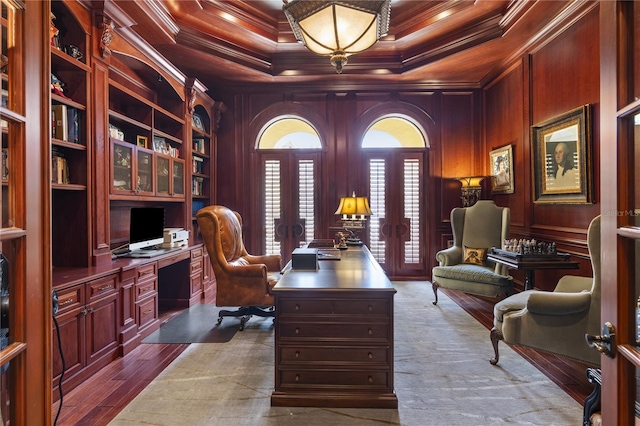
(501, 166)
(562, 164)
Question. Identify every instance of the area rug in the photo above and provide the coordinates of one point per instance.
(198, 324)
(442, 378)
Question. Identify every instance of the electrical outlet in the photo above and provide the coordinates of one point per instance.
(54, 299)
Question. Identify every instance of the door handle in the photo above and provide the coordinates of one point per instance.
(604, 343)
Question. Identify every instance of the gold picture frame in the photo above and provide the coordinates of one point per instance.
(501, 166)
(562, 163)
(142, 141)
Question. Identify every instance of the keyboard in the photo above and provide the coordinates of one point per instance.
(148, 253)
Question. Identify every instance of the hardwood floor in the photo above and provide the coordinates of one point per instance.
(98, 400)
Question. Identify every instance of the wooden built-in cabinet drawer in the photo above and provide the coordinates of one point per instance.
(196, 253)
(196, 282)
(102, 287)
(196, 265)
(313, 306)
(146, 311)
(70, 298)
(345, 379)
(374, 332)
(148, 271)
(146, 288)
(334, 354)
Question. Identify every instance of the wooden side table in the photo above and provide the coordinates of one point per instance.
(529, 263)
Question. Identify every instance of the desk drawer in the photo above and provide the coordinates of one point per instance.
(148, 271)
(333, 331)
(102, 287)
(346, 306)
(321, 378)
(146, 288)
(334, 354)
(146, 311)
(69, 299)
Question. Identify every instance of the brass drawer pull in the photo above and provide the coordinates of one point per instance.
(297, 354)
(297, 308)
(370, 379)
(297, 330)
(105, 287)
(297, 377)
(370, 355)
(370, 332)
(66, 302)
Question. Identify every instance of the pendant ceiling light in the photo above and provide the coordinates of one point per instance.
(338, 28)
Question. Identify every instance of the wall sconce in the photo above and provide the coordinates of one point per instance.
(354, 211)
(471, 189)
(338, 28)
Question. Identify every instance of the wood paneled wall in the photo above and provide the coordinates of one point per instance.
(556, 75)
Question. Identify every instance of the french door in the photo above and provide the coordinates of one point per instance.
(290, 199)
(397, 227)
(620, 188)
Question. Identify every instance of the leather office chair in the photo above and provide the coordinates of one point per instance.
(464, 266)
(555, 321)
(242, 279)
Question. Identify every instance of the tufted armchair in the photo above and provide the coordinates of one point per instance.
(555, 321)
(241, 279)
(464, 266)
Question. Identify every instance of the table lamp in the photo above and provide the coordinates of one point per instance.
(471, 189)
(354, 211)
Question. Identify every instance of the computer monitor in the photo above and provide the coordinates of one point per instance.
(146, 227)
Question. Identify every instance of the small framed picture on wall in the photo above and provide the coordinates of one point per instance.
(501, 166)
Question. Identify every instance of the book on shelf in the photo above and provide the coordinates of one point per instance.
(65, 123)
(198, 165)
(198, 186)
(5, 163)
(59, 126)
(198, 145)
(59, 168)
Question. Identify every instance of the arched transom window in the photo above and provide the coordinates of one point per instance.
(289, 133)
(395, 132)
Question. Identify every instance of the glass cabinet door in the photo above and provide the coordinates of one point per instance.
(122, 167)
(144, 171)
(162, 174)
(178, 177)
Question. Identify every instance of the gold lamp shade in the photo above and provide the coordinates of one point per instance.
(338, 28)
(354, 206)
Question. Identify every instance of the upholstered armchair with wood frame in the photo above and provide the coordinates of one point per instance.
(556, 321)
(464, 266)
(242, 279)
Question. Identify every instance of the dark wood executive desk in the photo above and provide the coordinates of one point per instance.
(334, 335)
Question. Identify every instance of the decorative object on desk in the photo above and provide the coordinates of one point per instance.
(471, 189)
(562, 161)
(354, 211)
(501, 164)
(338, 28)
(142, 141)
(342, 241)
(304, 259)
